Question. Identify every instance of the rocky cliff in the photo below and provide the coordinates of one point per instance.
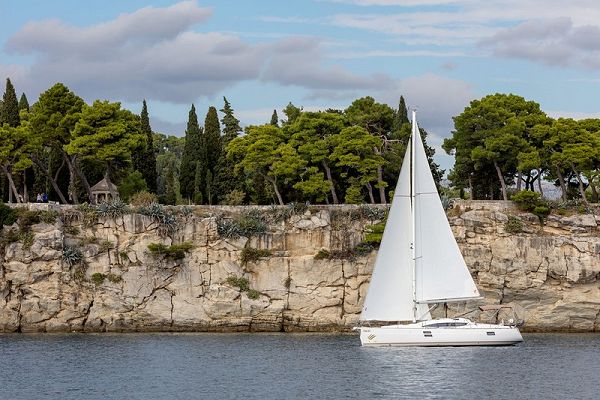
(273, 268)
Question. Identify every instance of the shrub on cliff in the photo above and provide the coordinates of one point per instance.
(247, 224)
(513, 225)
(250, 254)
(531, 201)
(173, 252)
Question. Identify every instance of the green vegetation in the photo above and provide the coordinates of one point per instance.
(72, 256)
(143, 198)
(98, 278)
(531, 202)
(239, 282)
(114, 278)
(8, 216)
(247, 224)
(62, 146)
(504, 139)
(360, 250)
(252, 255)
(513, 225)
(173, 252)
(374, 234)
(243, 285)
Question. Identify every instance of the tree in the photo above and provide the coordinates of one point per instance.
(311, 135)
(23, 103)
(274, 119)
(15, 149)
(9, 114)
(291, 112)
(107, 134)
(231, 125)
(263, 151)
(213, 151)
(52, 120)
(354, 150)
(133, 183)
(488, 138)
(192, 153)
(401, 115)
(226, 180)
(575, 147)
(377, 119)
(144, 159)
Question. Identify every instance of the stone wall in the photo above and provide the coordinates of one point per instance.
(551, 276)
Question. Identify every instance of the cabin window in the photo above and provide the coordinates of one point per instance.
(447, 325)
(427, 334)
(491, 333)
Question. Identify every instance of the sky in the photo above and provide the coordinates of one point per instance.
(318, 54)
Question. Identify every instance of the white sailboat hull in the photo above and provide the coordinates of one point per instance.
(441, 333)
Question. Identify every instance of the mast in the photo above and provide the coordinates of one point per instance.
(414, 214)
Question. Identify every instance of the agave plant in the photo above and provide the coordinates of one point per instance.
(72, 255)
(112, 209)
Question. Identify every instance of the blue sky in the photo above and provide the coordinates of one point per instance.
(439, 54)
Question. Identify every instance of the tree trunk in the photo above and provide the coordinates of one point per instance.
(370, 190)
(539, 178)
(72, 189)
(561, 180)
(519, 180)
(470, 188)
(331, 185)
(380, 181)
(502, 183)
(25, 192)
(581, 189)
(11, 184)
(75, 170)
(276, 189)
(53, 179)
(594, 192)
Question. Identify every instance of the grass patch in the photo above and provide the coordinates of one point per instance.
(362, 249)
(253, 294)
(247, 224)
(71, 230)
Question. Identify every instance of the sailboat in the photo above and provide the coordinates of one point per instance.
(418, 265)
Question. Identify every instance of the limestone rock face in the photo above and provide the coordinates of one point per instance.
(551, 275)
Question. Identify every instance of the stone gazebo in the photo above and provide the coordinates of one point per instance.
(101, 192)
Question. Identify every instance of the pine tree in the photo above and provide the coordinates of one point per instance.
(147, 163)
(192, 153)
(23, 103)
(275, 119)
(10, 106)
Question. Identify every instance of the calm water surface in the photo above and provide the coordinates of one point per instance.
(291, 366)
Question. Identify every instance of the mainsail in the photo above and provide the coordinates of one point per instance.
(441, 272)
(438, 269)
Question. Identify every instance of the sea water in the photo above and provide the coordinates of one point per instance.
(291, 366)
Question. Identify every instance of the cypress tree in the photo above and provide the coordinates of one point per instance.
(213, 152)
(148, 162)
(10, 106)
(23, 103)
(231, 125)
(275, 119)
(401, 115)
(192, 153)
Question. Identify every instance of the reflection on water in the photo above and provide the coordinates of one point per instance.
(283, 366)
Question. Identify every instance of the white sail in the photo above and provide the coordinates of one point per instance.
(390, 294)
(441, 272)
